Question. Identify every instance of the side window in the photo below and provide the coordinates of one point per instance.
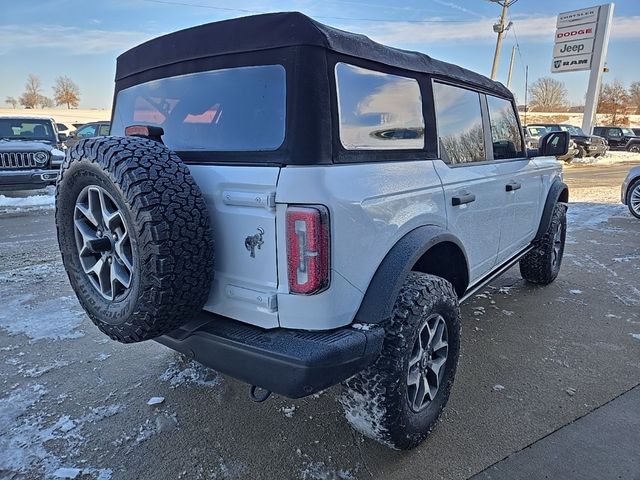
(505, 132)
(615, 132)
(104, 130)
(378, 111)
(459, 120)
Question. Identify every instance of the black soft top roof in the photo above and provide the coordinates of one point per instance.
(274, 30)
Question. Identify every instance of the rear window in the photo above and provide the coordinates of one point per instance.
(236, 109)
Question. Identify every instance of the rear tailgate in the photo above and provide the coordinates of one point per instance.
(241, 205)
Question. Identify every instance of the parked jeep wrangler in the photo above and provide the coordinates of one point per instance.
(353, 195)
(30, 153)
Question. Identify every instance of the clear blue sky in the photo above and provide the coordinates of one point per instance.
(82, 39)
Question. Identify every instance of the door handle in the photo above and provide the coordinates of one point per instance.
(513, 186)
(462, 199)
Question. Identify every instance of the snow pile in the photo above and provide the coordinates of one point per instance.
(609, 159)
(16, 201)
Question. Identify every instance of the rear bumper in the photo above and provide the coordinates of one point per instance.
(27, 179)
(294, 363)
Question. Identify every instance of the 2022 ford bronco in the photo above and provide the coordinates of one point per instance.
(352, 195)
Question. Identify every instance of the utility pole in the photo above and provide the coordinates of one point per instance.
(513, 58)
(500, 28)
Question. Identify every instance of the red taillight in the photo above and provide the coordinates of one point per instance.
(307, 249)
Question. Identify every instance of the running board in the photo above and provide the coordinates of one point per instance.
(496, 273)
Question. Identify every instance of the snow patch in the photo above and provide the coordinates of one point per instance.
(25, 433)
(498, 387)
(591, 216)
(575, 292)
(53, 319)
(611, 158)
(320, 471)
(635, 335)
(155, 401)
(288, 411)
(184, 371)
(362, 326)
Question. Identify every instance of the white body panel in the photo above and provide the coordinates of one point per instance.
(238, 200)
(371, 206)
(476, 224)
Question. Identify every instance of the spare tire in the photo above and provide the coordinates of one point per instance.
(134, 234)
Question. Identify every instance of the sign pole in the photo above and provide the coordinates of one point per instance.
(605, 19)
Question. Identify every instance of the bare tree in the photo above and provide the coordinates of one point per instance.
(66, 92)
(13, 101)
(614, 101)
(32, 92)
(45, 102)
(548, 95)
(634, 96)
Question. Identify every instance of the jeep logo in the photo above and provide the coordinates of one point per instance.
(568, 48)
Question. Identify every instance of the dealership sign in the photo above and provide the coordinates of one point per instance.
(575, 36)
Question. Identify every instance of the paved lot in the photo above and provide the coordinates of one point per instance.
(533, 360)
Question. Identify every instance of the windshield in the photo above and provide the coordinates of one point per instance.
(572, 130)
(628, 132)
(236, 109)
(17, 129)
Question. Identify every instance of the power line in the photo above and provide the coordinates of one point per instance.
(243, 10)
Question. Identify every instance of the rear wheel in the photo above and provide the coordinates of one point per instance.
(398, 400)
(133, 231)
(581, 152)
(633, 199)
(542, 264)
(634, 148)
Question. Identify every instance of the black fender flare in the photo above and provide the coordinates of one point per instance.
(379, 299)
(558, 189)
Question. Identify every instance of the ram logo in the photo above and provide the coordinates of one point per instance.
(557, 63)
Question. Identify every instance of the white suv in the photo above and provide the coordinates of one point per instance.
(353, 195)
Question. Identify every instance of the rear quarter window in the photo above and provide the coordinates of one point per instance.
(236, 109)
(378, 111)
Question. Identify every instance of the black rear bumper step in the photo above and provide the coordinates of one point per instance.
(294, 363)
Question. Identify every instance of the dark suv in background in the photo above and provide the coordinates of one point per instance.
(620, 138)
(588, 145)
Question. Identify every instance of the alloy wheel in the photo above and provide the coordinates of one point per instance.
(103, 242)
(427, 361)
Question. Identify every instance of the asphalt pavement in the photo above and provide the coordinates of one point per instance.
(536, 363)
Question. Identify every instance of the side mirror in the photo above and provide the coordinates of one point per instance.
(62, 137)
(554, 144)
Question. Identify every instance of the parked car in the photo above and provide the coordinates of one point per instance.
(588, 145)
(355, 195)
(630, 194)
(620, 138)
(88, 130)
(29, 152)
(533, 134)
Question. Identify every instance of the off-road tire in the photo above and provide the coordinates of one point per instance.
(542, 264)
(635, 148)
(169, 234)
(375, 401)
(581, 152)
(634, 186)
